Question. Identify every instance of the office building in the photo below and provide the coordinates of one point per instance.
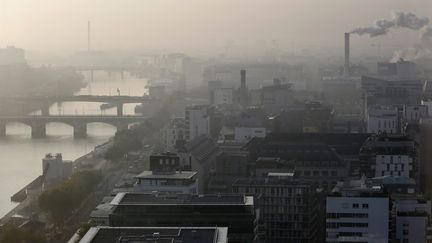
(236, 212)
(197, 121)
(277, 97)
(357, 212)
(167, 181)
(289, 209)
(411, 219)
(12, 56)
(390, 155)
(199, 155)
(383, 119)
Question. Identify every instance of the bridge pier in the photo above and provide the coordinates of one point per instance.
(2, 130)
(91, 75)
(38, 130)
(80, 130)
(120, 109)
(122, 75)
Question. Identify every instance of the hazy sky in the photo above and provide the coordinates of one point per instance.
(187, 24)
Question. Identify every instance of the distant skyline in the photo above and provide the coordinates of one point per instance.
(193, 25)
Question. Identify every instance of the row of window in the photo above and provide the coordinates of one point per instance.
(346, 215)
(391, 173)
(334, 225)
(317, 173)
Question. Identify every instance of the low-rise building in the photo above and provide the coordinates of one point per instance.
(265, 165)
(313, 162)
(165, 162)
(105, 234)
(55, 169)
(199, 155)
(244, 134)
(169, 182)
(310, 117)
(236, 212)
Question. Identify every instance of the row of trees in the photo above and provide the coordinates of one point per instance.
(11, 233)
(131, 139)
(60, 201)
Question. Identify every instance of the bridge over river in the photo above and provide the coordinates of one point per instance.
(117, 101)
(78, 122)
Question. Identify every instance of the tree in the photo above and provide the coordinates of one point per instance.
(14, 234)
(60, 201)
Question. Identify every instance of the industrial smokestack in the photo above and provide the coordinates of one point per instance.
(88, 36)
(347, 54)
(243, 79)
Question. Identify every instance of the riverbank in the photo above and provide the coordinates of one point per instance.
(29, 194)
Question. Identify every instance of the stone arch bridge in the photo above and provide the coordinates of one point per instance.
(79, 123)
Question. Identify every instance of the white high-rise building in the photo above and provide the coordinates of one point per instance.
(412, 216)
(197, 121)
(357, 213)
(393, 165)
(382, 120)
(173, 132)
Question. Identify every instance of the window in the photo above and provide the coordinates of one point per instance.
(355, 205)
(365, 205)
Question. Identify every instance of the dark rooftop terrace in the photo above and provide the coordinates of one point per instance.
(155, 235)
(179, 199)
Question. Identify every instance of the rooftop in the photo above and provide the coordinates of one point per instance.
(271, 181)
(129, 198)
(201, 148)
(104, 234)
(358, 188)
(174, 175)
(343, 144)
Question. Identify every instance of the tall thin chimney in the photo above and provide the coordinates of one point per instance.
(347, 54)
(88, 36)
(243, 79)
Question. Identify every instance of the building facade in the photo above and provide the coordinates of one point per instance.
(197, 121)
(357, 213)
(289, 209)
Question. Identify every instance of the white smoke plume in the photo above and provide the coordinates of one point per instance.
(399, 20)
(421, 50)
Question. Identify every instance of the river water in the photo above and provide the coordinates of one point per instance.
(21, 156)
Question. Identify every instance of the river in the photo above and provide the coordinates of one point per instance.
(21, 156)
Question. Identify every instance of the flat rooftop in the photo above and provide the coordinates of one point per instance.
(175, 175)
(128, 198)
(105, 234)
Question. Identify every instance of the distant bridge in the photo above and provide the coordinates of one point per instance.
(108, 69)
(79, 123)
(118, 100)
